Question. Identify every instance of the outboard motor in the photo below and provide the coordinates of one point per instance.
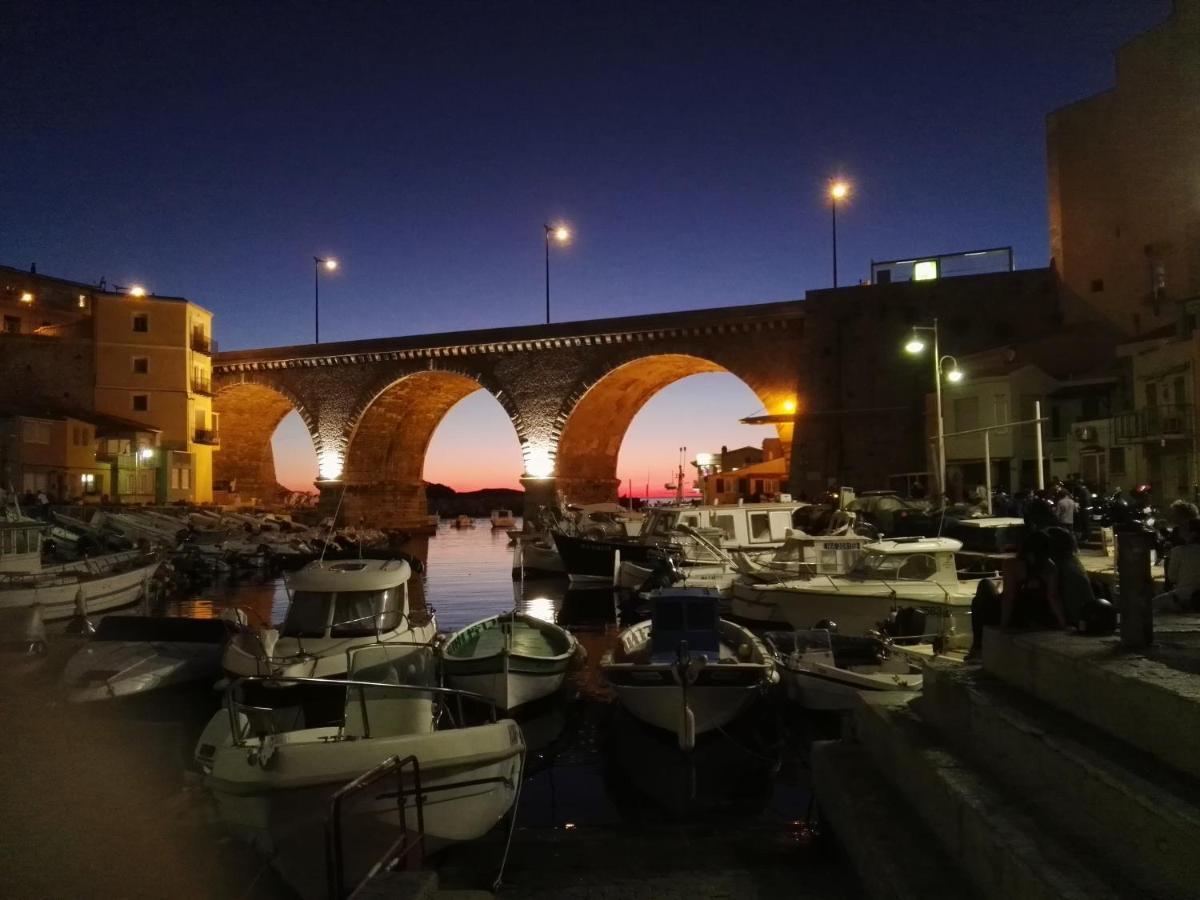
(664, 574)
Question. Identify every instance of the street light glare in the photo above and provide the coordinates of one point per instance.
(331, 264)
(954, 376)
(137, 291)
(914, 345)
(789, 406)
(562, 234)
(838, 190)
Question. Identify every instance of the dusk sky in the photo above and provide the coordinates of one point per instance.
(211, 149)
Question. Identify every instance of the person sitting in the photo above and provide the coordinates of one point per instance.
(1073, 587)
(1183, 573)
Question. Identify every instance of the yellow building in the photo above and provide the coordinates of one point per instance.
(1123, 182)
(154, 365)
(128, 355)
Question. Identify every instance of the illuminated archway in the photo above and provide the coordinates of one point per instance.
(249, 415)
(596, 423)
(385, 460)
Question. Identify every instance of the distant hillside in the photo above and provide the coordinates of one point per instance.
(445, 501)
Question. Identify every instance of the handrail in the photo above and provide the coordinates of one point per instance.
(232, 705)
(400, 850)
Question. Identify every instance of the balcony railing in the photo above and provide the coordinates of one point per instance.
(202, 343)
(202, 386)
(1154, 423)
(204, 436)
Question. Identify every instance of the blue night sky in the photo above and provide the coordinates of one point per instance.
(210, 149)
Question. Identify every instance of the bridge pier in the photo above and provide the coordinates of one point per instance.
(539, 492)
(382, 504)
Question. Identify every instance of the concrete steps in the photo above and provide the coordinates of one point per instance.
(1147, 704)
(897, 858)
(1112, 801)
(988, 832)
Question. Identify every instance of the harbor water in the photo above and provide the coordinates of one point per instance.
(606, 799)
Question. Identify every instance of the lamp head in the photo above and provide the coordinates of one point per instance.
(915, 344)
(330, 264)
(560, 233)
(839, 189)
(955, 375)
(137, 291)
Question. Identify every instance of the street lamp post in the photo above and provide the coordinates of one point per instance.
(838, 190)
(560, 234)
(329, 265)
(954, 375)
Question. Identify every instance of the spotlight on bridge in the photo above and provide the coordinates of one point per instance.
(538, 464)
(329, 465)
(789, 406)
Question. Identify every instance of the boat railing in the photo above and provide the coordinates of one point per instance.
(240, 734)
(406, 850)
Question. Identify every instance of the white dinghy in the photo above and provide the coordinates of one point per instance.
(686, 670)
(512, 659)
(272, 770)
(133, 655)
(827, 671)
(335, 606)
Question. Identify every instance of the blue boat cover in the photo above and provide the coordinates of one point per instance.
(684, 614)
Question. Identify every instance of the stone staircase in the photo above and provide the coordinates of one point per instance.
(1061, 769)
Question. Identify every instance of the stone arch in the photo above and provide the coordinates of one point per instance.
(385, 457)
(593, 421)
(250, 411)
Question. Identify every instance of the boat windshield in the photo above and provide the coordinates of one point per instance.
(661, 524)
(308, 615)
(897, 566)
(355, 612)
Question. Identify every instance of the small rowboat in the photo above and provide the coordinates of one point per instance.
(512, 659)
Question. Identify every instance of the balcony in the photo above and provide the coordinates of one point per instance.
(202, 343)
(210, 438)
(202, 386)
(1154, 423)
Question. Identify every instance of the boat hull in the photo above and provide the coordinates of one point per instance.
(586, 559)
(510, 687)
(838, 691)
(56, 594)
(535, 558)
(714, 704)
(309, 658)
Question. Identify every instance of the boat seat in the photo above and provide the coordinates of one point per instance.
(380, 711)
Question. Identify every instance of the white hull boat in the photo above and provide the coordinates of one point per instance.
(686, 670)
(512, 659)
(62, 595)
(335, 607)
(537, 556)
(632, 576)
(133, 655)
(824, 671)
(503, 519)
(272, 774)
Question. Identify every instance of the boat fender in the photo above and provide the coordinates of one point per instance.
(687, 729)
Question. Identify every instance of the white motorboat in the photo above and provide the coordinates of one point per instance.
(536, 556)
(512, 659)
(503, 518)
(686, 670)
(893, 575)
(133, 655)
(801, 556)
(86, 586)
(335, 606)
(272, 769)
(827, 671)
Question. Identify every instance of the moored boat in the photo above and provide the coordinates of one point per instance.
(827, 671)
(685, 669)
(503, 518)
(463, 521)
(335, 606)
(512, 658)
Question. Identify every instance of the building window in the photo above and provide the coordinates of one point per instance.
(1116, 461)
(141, 365)
(87, 482)
(141, 402)
(1152, 393)
(966, 413)
(181, 478)
(35, 432)
(141, 322)
(1097, 285)
(1000, 412)
(82, 301)
(12, 324)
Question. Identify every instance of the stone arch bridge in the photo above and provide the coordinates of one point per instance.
(572, 389)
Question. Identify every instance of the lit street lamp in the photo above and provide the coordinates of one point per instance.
(838, 190)
(329, 265)
(954, 375)
(560, 234)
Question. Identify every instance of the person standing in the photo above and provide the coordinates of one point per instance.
(1183, 573)
(1065, 508)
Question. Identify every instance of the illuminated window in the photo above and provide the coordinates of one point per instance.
(82, 301)
(925, 270)
(26, 297)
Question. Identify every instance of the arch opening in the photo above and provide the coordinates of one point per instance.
(249, 414)
(590, 442)
(385, 462)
